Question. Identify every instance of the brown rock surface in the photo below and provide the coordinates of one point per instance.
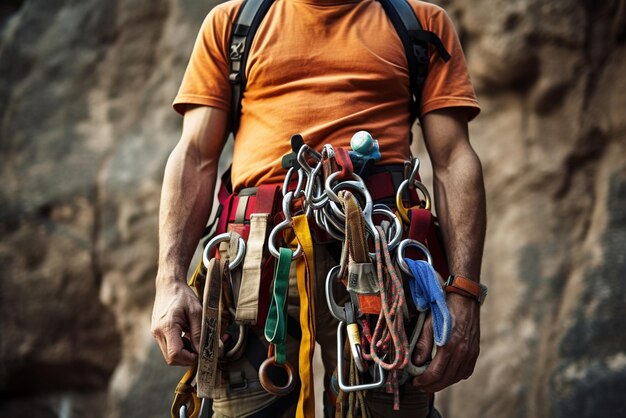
(86, 126)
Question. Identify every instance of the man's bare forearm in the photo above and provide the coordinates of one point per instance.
(186, 202)
(187, 193)
(461, 208)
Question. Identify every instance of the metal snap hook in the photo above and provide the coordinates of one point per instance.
(402, 210)
(411, 243)
(225, 237)
(299, 190)
(267, 383)
(337, 311)
(396, 231)
(411, 368)
(340, 369)
(304, 152)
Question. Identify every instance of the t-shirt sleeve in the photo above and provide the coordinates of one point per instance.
(205, 81)
(448, 84)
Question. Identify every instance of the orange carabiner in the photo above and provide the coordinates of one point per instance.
(185, 397)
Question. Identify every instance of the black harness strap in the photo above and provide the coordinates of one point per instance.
(247, 22)
(415, 41)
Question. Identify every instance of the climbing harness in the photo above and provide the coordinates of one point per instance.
(385, 253)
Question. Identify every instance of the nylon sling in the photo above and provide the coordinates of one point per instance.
(208, 373)
(305, 279)
(276, 323)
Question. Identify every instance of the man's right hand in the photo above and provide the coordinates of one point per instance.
(177, 310)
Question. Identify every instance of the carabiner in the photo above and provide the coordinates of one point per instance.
(274, 236)
(411, 368)
(402, 210)
(395, 232)
(340, 372)
(354, 337)
(336, 311)
(225, 237)
(402, 248)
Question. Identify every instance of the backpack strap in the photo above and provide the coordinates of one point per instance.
(247, 22)
(415, 41)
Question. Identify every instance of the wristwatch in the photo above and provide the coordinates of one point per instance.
(466, 287)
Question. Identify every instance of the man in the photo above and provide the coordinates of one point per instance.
(325, 69)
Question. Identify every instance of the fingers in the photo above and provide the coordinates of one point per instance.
(436, 371)
(456, 360)
(174, 313)
(195, 327)
(424, 346)
(173, 349)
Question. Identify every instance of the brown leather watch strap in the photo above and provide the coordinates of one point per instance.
(466, 287)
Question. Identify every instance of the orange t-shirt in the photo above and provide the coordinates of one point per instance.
(325, 69)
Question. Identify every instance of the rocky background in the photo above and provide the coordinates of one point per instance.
(86, 127)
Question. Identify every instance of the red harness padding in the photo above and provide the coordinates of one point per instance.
(423, 228)
(266, 200)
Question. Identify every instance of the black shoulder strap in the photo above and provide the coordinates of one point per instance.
(248, 20)
(415, 41)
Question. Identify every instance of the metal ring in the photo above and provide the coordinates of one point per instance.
(411, 243)
(380, 209)
(268, 385)
(273, 235)
(402, 210)
(239, 344)
(218, 239)
(329, 188)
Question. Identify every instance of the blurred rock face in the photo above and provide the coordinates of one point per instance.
(86, 127)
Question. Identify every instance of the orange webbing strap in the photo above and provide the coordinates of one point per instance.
(208, 373)
(305, 275)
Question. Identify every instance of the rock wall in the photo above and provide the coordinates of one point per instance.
(86, 127)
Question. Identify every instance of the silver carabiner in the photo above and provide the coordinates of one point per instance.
(299, 190)
(411, 368)
(274, 235)
(302, 157)
(395, 232)
(233, 264)
(338, 312)
(340, 373)
(411, 243)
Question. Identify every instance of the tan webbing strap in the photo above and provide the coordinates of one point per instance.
(248, 300)
(242, 206)
(208, 373)
(305, 277)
